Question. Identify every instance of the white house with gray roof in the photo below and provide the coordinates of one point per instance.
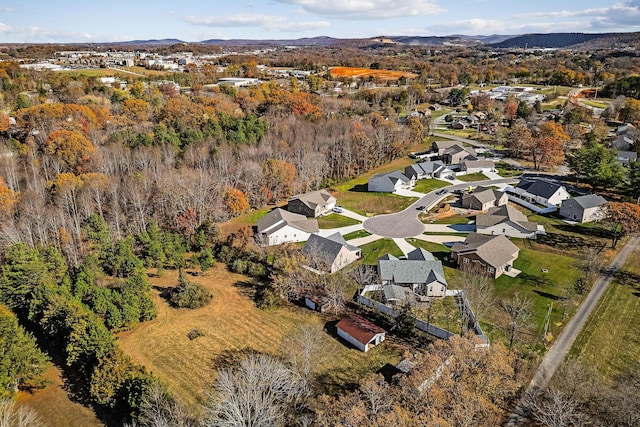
(390, 182)
(489, 255)
(540, 191)
(419, 272)
(483, 198)
(329, 254)
(280, 226)
(584, 208)
(508, 221)
(424, 170)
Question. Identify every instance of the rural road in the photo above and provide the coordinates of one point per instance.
(556, 354)
(405, 223)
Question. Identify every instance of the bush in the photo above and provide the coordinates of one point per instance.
(195, 333)
(189, 295)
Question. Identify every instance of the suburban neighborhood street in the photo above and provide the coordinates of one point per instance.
(556, 354)
(406, 223)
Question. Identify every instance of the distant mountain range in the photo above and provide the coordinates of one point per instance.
(531, 41)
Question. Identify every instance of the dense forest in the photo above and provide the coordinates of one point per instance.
(99, 184)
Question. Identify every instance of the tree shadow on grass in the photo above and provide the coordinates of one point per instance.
(247, 288)
(630, 279)
(232, 357)
(548, 295)
(585, 231)
(360, 188)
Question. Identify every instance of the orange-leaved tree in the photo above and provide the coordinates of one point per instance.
(235, 201)
(622, 218)
(8, 200)
(72, 149)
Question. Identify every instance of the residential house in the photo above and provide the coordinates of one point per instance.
(475, 166)
(360, 332)
(312, 204)
(317, 302)
(424, 170)
(280, 226)
(622, 143)
(419, 272)
(626, 157)
(483, 198)
(329, 254)
(457, 153)
(390, 182)
(542, 192)
(440, 147)
(490, 255)
(584, 208)
(507, 220)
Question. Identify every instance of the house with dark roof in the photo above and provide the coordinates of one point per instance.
(329, 254)
(390, 182)
(483, 198)
(424, 170)
(489, 255)
(457, 153)
(312, 204)
(280, 226)
(508, 221)
(419, 272)
(360, 332)
(541, 192)
(584, 208)
(626, 157)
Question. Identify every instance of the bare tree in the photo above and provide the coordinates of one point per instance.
(259, 392)
(306, 350)
(12, 415)
(479, 290)
(364, 275)
(554, 408)
(518, 311)
(159, 409)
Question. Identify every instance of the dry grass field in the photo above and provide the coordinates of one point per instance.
(54, 406)
(232, 325)
(345, 72)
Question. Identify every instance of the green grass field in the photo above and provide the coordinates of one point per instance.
(334, 221)
(428, 185)
(472, 177)
(356, 234)
(609, 342)
(374, 250)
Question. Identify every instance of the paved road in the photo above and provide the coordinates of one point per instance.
(556, 354)
(406, 223)
(459, 139)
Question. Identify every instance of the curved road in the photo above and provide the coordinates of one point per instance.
(405, 223)
(556, 354)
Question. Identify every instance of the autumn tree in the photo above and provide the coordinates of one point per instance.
(547, 145)
(8, 200)
(71, 150)
(622, 218)
(279, 177)
(235, 201)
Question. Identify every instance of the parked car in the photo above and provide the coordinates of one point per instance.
(338, 209)
(421, 208)
(439, 192)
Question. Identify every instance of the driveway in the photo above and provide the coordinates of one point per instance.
(405, 223)
(342, 230)
(449, 228)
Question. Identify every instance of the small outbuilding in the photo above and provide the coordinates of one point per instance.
(584, 208)
(360, 332)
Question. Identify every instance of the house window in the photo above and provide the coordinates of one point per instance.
(491, 270)
(466, 260)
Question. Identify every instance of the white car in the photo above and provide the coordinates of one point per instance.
(338, 209)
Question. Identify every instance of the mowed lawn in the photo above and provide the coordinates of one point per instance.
(233, 325)
(335, 221)
(609, 342)
(54, 406)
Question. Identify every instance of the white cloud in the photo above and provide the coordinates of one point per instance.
(491, 26)
(266, 22)
(5, 9)
(367, 9)
(40, 35)
(624, 15)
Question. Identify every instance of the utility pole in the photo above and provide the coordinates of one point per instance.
(546, 321)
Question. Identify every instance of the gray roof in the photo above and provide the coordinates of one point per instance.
(478, 163)
(327, 248)
(539, 187)
(420, 254)
(631, 155)
(282, 218)
(494, 250)
(414, 270)
(505, 213)
(588, 201)
(393, 176)
(483, 194)
(431, 167)
(394, 293)
(314, 198)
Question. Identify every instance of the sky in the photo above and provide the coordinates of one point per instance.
(78, 21)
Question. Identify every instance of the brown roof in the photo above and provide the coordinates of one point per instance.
(494, 250)
(359, 328)
(502, 214)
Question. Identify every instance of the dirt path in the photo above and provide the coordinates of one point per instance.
(556, 354)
